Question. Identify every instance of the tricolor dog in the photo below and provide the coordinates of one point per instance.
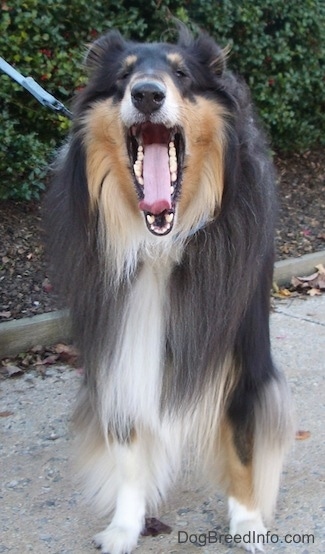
(161, 225)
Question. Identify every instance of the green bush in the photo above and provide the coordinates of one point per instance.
(278, 47)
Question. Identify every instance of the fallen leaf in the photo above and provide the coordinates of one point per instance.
(37, 349)
(311, 284)
(11, 370)
(321, 282)
(6, 315)
(302, 435)
(284, 292)
(154, 527)
(46, 285)
(275, 286)
(6, 413)
(67, 353)
(280, 292)
(49, 360)
(314, 292)
(308, 277)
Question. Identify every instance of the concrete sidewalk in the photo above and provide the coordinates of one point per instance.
(42, 511)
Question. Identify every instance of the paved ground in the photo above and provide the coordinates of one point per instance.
(41, 510)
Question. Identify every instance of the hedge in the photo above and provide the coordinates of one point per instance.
(277, 46)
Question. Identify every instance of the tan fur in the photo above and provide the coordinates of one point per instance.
(203, 177)
(107, 158)
(175, 59)
(236, 477)
(110, 182)
(129, 61)
(204, 430)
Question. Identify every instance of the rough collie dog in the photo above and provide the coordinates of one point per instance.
(161, 218)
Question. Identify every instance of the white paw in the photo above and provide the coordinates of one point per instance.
(116, 540)
(246, 527)
(252, 534)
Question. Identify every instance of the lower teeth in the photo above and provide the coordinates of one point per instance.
(168, 218)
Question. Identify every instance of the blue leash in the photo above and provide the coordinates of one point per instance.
(35, 89)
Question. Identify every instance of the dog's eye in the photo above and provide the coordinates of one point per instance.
(180, 73)
(125, 74)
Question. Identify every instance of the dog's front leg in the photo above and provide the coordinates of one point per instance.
(121, 536)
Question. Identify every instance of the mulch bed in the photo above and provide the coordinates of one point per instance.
(24, 286)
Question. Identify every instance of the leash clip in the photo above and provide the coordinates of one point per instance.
(43, 97)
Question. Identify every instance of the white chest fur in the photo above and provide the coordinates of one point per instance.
(132, 393)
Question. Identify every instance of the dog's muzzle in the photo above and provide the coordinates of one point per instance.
(156, 150)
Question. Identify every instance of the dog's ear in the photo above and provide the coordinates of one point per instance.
(107, 44)
(211, 54)
(219, 63)
(205, 49)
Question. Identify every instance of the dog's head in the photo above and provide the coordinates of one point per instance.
(154, 120)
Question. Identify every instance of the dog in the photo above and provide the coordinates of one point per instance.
(161, 228)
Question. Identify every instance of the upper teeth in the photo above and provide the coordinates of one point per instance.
(138, 165)
(172, 161)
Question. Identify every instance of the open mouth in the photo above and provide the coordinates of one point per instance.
(157, 154)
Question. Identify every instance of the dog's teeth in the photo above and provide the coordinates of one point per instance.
(140, 154)
(138, 167)
(169, 217)
(173, 177)
(172, 189)
(173, 165)
(150, 219)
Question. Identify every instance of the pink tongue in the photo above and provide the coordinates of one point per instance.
(156, 176)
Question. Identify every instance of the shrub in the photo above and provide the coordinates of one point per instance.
(279, 48)
(276, 45)
(46, 40)
(22, 162)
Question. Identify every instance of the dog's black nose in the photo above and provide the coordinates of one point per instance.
(148, 96)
